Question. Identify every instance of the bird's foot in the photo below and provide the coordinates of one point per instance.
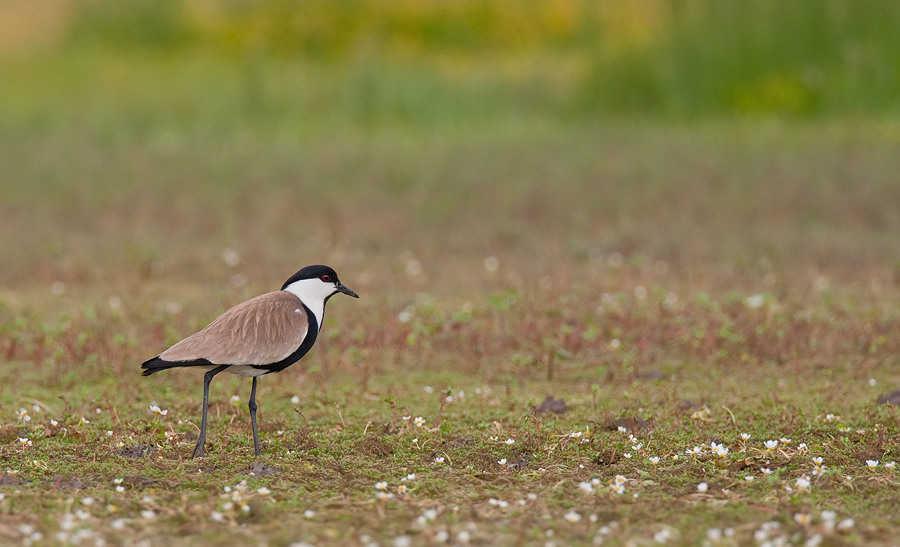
(198, 449)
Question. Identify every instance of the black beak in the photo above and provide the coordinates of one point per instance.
(346, 290)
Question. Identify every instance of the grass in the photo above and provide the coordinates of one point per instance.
(687, 280)
(757, 297)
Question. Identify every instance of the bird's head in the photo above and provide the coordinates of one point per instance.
(315, 284)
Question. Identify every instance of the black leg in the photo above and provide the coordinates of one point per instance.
(252, 406)
(201, 441)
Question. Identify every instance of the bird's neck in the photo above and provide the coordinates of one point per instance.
(318, 309)
(309, 291)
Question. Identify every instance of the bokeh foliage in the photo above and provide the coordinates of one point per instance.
(673, 57)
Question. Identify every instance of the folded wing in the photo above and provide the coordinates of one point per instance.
(260, 331)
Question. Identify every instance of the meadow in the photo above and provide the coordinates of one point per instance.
(603, 300)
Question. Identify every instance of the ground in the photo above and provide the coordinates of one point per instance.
(710, 304)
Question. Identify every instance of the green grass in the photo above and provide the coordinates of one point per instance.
(689, 278)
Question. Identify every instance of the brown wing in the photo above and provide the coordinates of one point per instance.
(260, 331)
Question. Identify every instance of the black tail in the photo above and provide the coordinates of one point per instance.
(156, 364)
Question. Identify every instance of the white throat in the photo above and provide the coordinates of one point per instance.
(312, 292)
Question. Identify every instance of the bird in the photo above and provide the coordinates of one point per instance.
(263, 335)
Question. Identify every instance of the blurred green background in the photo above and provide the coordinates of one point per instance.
(131, 130)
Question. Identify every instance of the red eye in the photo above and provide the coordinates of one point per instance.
(326, 278)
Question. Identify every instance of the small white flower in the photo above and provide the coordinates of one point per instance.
(745, 436)
(618, 488)
(654, 460)
(263, 491)
(148, 514)
(309, 513)
(510, 441)
(54, 423)
(785, 440)
(702, 487)
(235, 399)
(410, 477)
(120, 489)
(572, 517)
(156, 410)
(87, 501)
(749, 478)
(586, 487)
(770, 445)
(381, 485)
(890, 465)
(627, 455)
(872, 464)
(721, 451)
(817, 460)
(419, 421)
(845, 525)
(756, 301)
(401, 489)
(502, 461)
(765, 471)
(295, 400)
(803, 483)
(439, 459)
(85, 420)
(217, 516)
(622, 429)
